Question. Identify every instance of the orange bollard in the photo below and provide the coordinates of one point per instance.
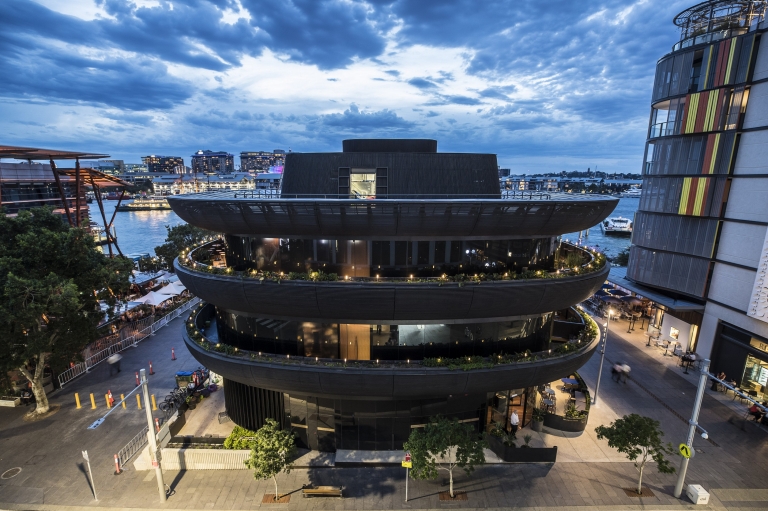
(157, 424)
(117, 466)
(150, 368)
(173, 354)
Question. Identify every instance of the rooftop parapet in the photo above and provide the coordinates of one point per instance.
(718, 19)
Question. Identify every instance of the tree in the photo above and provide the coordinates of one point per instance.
(622, 259)
(51, 280)
(271, 450)
(640, 439)
(240, 438)
(179, 237)
(444, 444)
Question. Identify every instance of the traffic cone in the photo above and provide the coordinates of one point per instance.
(150, 368)
(111, 399)
(137, 379)
(173, 354)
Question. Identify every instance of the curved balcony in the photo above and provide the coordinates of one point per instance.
(404, 301)
(519, 216)
(387, 379)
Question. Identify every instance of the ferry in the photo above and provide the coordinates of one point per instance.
(618, 226)
(632, 193)
(150, 203)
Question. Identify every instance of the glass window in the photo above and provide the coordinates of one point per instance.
(362, 183)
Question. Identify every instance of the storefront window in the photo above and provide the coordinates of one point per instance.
(755, 376)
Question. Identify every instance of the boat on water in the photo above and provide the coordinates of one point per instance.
(631, 193)
(149, 203)
(618, 226)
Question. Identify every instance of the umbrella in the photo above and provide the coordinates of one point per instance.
(631, 300)
(619, 292)
(172, 289)
(610, 299)
(153, 298)
(607, 286)
(602, 292)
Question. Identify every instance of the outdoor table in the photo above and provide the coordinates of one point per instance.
(569, 381)
(549, 391)
(548, 403)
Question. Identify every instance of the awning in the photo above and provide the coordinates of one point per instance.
(618, 276)
(153, 298)
(172, 289)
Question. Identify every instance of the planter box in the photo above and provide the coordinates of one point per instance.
(522, 454)
(561, 423)
(10, 401)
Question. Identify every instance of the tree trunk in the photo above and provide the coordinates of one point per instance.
(36, 380)
(640, 482)
(450, 478)
(277, 497)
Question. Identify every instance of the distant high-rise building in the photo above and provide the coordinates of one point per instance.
(216, 162)
(169, 164)
(261, 161)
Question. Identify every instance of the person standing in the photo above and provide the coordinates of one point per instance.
(514, 421)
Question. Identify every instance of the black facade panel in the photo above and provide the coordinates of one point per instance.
(250, 407)
(675, 233)
(389, 145)
(676, 272)
(412, 174)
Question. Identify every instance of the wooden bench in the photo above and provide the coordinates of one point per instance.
(322, 491)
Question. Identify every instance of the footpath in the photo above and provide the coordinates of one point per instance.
(731, 465)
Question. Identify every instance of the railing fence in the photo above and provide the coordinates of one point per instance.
(141, 333)
(131, 448)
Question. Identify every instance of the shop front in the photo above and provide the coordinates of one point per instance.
(743, 357)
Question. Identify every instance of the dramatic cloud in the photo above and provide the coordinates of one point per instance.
(546, 86)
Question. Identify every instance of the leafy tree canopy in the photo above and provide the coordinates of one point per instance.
(179, 237)
(271, 452)
(240, 438)
(444, 444)
(51, 280)
(639, 438)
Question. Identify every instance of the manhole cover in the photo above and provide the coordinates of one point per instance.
(10, 473)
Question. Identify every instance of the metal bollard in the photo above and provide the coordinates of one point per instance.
(77, 400)
(138, 401)
(154, 405)
(93, 402)
(122, 399)
(106, 396)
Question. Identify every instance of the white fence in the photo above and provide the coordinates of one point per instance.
(195, 459)
(119, 345)
(132, 447)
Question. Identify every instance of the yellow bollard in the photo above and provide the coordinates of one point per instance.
(93, 402)
(106, 396)
(122, 399)
(154, 405)
(77, 400)
(138, 401)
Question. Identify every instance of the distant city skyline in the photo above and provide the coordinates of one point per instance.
(546, 87)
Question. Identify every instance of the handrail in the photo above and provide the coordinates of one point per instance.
(132, 341)
(267, 194)
(595, 263)
(132, 447)
(470, 363)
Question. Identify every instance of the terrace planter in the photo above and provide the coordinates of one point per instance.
(537, 425)
(11, 401)
(522, 454)
(567, 424)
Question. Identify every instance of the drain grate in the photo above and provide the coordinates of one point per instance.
(13, 472)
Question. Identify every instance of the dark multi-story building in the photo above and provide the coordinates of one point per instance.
(213, 162)
(167, 164)
(261, 161)
(699, 243)
(342, 307)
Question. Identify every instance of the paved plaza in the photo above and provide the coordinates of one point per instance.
(588, 474)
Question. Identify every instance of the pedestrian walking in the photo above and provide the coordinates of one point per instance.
(625, 369)
(114, 362)
(514, 421)
(616, 372)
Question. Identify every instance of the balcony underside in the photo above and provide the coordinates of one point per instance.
(383, 384)
(393, 219)
(383, 303)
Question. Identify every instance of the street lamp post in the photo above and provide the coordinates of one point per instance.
(602, 356)
(154, 453)
(692, 424)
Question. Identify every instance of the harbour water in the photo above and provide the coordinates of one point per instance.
(142, 231)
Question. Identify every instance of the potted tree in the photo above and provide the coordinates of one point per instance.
(537, 422)
(271, 451)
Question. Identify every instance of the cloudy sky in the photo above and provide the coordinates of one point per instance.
(548, 86)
